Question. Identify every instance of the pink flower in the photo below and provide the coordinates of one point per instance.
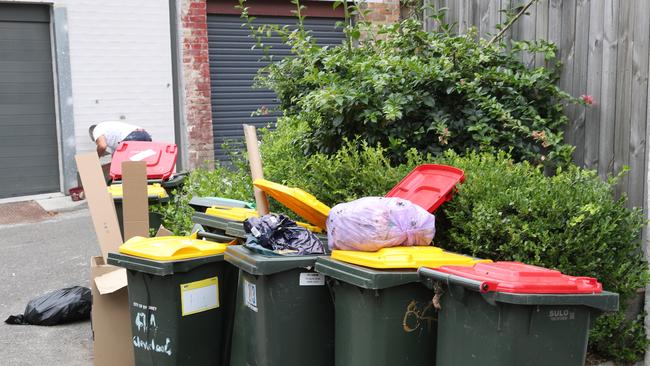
(588, 99)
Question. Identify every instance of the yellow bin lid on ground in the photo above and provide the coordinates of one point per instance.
(405, 257)
(240, 214)
(170, 248)
(153, 190)
(298, 201)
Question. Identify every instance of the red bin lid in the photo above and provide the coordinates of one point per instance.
(429, 185)
(515, 277)
(159, 156)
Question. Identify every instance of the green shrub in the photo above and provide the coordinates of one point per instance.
(620, 339)
(570, 222)
(406, 88)
(221, 182)
(356, 170)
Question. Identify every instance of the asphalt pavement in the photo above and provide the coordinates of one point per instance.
(36, 258)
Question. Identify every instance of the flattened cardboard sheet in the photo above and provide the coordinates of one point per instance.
(100, 203)
(135, 204)
(162, 231)
(111, 281)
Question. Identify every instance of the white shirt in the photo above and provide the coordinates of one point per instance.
(114, 132)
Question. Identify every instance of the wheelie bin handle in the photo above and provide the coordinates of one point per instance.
(216, 237)
(451, 279)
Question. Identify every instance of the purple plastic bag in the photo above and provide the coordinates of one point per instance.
(371, 223)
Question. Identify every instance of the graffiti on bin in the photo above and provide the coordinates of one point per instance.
(418, 315)
(146, 324)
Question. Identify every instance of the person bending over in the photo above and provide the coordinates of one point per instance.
(107, 135)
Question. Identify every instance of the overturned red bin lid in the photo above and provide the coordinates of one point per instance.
(429, 185)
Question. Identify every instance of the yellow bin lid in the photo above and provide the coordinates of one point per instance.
(170, 248)
(298, 201)
(405, 257)
(240, 214)
(153, 190)
(231, 213)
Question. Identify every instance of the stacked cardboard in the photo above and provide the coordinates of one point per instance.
(111, 323)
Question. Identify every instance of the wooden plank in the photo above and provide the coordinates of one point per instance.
(607, 101)
(517, 29)
(594, 84)
(579, 75)
(506, 5)
(452, 14)
(467, 16)
(493, 17)
(541, 27)
(474, 17)
(566, 45)
(428, 23)
(554, 21)
(623, 92)
(527, 28)
(426, 13)
(483, 13)
(638, 113)
(462, 16)
(431, 7)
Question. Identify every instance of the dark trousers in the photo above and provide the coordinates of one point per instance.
(138, 136)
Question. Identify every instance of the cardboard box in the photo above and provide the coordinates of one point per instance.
(110, 316)
(111, 324)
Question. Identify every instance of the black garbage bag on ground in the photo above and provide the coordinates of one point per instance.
(282, 235)
(57, 307)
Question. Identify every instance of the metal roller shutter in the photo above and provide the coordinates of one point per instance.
(233, 66)
(29, 161)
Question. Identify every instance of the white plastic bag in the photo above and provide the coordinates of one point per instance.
(371, 223)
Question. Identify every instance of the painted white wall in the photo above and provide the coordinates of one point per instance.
(120, 60)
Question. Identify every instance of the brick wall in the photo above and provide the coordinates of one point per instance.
(196, 81)
(384, 12)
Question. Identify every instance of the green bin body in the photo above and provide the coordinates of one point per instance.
(512, 329)
(162, 334)
(383, 317)
(174, 184)
(219, 226)
(284, 314)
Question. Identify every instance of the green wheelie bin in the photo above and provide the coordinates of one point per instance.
(181, 294)
(284, 313)
(384, 315)
(512, 314)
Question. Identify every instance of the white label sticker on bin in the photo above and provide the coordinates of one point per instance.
(143, 155)
(199, 296)
(250, 295)
(312, 279)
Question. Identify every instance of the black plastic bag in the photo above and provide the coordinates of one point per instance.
(57, 307)
(282, 235)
